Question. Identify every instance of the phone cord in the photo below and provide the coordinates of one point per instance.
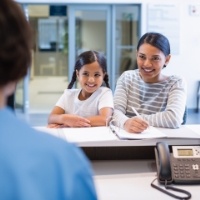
(188, 194)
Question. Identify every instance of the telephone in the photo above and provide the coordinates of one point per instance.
(182, 166)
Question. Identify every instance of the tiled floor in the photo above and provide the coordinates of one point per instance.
(41, 119)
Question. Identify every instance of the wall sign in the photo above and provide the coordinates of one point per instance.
(165, 19)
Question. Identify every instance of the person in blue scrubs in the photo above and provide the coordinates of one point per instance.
(33, 165)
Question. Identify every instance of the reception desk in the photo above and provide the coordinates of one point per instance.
(186, 134)
(131, 179)
(100, 144)
(124, 169)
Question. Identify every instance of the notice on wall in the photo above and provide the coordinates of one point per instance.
(165, 19)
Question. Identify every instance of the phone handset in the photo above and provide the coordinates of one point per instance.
(163, 163)
(164, 172)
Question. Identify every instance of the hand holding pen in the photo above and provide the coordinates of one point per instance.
(136, 124)
(138, 115)
(135, 111)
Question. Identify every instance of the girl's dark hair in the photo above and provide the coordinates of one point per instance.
(157, 40)
(89, 57)
(16, 42)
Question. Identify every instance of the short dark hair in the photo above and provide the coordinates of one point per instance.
(157, 40)
(89, 57)
(15, 42)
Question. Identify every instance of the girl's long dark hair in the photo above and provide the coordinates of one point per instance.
(89, 57)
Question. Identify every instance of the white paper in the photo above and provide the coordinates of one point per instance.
(149, 133)
(90, 134)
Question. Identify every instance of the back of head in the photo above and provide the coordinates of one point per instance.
(157, 40)
(15, 42)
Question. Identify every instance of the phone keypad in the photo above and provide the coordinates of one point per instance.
(185, 170)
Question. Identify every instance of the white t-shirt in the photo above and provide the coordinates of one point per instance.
(101, 98)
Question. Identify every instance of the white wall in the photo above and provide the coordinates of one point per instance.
(187, 62)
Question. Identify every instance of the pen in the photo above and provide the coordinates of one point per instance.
(135, 111)
(137, 114)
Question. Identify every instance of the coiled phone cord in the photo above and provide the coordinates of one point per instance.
(167, 187)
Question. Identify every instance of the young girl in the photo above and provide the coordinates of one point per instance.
(92, 105)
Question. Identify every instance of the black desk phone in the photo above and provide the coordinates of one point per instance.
(181, 166)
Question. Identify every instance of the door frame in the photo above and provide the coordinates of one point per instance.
(71, 22)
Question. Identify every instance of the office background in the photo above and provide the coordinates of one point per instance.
(112, 27)
(38, 92)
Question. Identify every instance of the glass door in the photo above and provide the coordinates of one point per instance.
(127, 34)
(111, 29)
(89, 30)
(61, 33)
(47, 79)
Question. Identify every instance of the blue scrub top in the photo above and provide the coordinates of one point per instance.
(38, 166)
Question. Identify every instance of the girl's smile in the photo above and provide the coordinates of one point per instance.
(90, 77)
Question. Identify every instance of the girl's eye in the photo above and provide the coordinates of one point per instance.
(97, 75)
(142, 57)
(85, 74)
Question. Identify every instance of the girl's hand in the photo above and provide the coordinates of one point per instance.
(53, 126)
(135, 125)
(75, 121)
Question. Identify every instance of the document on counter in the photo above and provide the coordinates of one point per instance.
(149, 133)
(101, 133)
(88, 134)
(113, 133)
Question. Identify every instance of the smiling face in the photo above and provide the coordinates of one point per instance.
(90, 77)
(150, 62)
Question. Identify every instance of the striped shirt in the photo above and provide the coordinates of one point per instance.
(162, 104)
